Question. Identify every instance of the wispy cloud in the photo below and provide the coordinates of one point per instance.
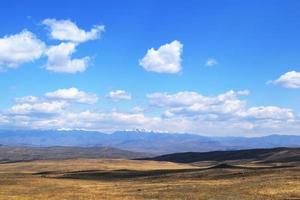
(211, 62)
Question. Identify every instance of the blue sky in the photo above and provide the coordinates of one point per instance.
(207, 67)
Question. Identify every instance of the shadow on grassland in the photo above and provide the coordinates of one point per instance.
(213, 171)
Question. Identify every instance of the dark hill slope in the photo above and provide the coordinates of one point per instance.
(264, 155)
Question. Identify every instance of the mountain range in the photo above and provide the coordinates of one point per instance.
(142, 141)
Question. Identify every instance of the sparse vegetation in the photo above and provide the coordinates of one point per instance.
(127, 179)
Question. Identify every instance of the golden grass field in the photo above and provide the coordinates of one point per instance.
(129, 179)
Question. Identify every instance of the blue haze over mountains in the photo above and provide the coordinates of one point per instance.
(157, 143)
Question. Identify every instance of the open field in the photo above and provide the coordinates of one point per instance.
(128, 179)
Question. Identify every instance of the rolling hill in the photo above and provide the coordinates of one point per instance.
(17, 154)
(259, 155)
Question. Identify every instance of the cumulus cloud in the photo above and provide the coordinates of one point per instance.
(211, 62)
(190, 103)
(67, 30)
(84, 120)
(47, 111)
(40, 107)
(186, 111)
(118, 95)
(289, 80)
(59, 59)
(112, 121)
(73, 94)
(25, 47)
(166, 59)
(20, 48)
(59, 56)
(226, 111)
(269, 112)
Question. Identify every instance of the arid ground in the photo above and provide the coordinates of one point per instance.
(129, 179)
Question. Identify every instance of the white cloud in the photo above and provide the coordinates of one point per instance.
(85, 120)
(118, 95)
(4, 119)
(177, 99)
(59, 59)
(73, 94)
(270, 112)
(19, 48)
(67, 30)
(191, 103)
(226, 113)
(25, 47)
(137, 109)
(166, 59)
(112, 121)
(27, 99)
(211, 62)
(41, 107)
(243, 92)
(289, 80)
(59, 56)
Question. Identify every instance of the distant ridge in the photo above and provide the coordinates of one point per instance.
(139, 141)
(261, 155)
(17, 154)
